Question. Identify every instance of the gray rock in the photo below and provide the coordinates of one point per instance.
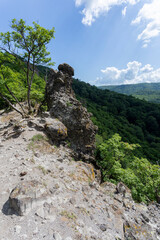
(55, 129)
(65, 68)
(57, 236)
(123, 189)
(17, 229)
(145, 217)
(27, 195)
(103, 227)
(158, 231)
(63, 105)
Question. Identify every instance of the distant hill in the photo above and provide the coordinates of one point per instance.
(147, 91)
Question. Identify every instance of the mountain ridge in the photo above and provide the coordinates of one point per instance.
(144, 91)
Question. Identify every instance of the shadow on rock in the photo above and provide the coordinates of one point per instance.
(6, 210)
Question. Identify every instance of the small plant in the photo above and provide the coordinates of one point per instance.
(38, 137)
(41, 143)
(44, 184)
(68, 215)
(84, 211)
(32, 160)
(44, 171)
(69, 104)
(68, 144)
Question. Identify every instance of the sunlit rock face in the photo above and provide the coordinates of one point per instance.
(63, 105)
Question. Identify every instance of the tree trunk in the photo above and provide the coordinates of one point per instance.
(29, 85)
(11, 105)
(14, 98)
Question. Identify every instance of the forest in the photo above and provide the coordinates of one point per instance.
(136, 121)
(145, 91)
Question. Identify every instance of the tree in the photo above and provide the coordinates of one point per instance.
(27, 45)
(118, 162)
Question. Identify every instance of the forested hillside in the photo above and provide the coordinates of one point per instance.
(148, 91)
(136, 121)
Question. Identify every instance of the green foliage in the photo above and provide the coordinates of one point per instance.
(118, 162)
(99, 140)
(38, 137)
(13, 76)
(136, 121)
(30, 43)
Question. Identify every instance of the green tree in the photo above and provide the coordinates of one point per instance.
(119, 163)
(10, 80)
(30, 43)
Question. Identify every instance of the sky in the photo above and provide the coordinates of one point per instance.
(107, 42)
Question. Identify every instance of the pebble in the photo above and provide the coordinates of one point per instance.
(17, 229)
(57, 236)
(103, 227)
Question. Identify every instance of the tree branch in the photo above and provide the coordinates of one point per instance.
(12, 94)
(10, 104)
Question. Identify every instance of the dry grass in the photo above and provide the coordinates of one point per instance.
(11, 115)
(44, 171)
(41, 143)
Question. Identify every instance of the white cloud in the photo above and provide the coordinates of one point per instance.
(124, 11)
(149, 15)
(132, 74)
(94, 8)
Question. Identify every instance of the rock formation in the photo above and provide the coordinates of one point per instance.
(63, 105)
(59, 198)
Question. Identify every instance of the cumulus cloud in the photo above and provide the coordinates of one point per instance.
(149, 15)
(132, 74)
(94, 8)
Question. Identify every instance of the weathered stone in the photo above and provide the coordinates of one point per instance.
(17, 229)
(64, 106)
(55, 129)
(65, 68)
(145, 217)
(103, 227)
(123, 189)
(57, 236)
(27, 195)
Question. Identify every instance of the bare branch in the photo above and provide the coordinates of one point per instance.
(12, 94)
(10, 104)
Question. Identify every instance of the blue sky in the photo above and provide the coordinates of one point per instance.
(105, 41)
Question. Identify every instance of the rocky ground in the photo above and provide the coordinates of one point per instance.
(60, 198)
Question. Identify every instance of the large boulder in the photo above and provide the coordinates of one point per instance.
(28, 195)
(63, 105)
(54, 128)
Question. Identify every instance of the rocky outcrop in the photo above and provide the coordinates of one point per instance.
(60, 198)
(63, 105)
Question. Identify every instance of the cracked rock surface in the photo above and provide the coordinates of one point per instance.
(72, 204)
